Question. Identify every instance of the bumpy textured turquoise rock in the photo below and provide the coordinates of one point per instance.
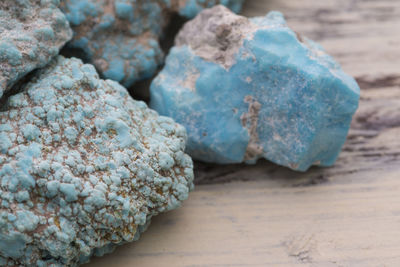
(251, 88)
(31, 34)
(83, 167)
(120, 37)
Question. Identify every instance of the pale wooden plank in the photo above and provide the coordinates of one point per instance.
(269, 222)
(347, 215)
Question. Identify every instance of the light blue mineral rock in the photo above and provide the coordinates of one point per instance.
(190, 8)
(120, 37)
(83, 167)
(251, 88)
(31, 34)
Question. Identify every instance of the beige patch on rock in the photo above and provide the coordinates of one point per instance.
(216, 35)
(250, 121)
(190, 81)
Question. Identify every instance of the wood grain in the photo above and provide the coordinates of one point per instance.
(266, 215)
(271, 223)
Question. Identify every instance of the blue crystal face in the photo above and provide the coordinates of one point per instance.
(282, 99)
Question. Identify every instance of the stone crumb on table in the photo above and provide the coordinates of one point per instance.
(83, 167)
(251, 88)
(120, 37)
(31, 34)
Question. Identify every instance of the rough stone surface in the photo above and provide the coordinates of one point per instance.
(31, 34)
(190, 8)
(120, 37)
(83, 167)
(251, 88)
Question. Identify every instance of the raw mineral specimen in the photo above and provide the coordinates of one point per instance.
(190, 8)
(120, 37)
(31, 34)
(251, 88)
(83, 167)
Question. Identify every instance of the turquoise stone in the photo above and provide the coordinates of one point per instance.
(83, 167)
(31, 34)
(252, 88)
(121, 37)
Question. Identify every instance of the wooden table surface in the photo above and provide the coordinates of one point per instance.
(265, 215)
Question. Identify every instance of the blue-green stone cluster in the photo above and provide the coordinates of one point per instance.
(120, 37)
(31, 34)
(246, 89)
(83, 167)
